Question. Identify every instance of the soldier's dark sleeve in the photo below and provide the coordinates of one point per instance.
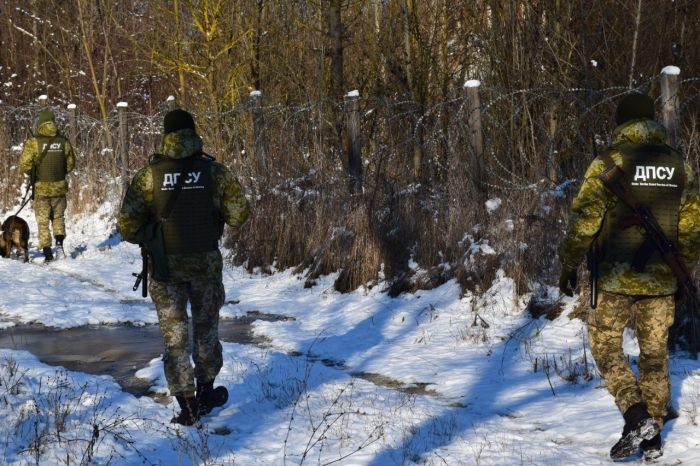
(587, 214)
(134, 212)
(234, 207)
(689, 220)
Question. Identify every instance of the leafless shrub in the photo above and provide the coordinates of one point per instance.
(62, 421)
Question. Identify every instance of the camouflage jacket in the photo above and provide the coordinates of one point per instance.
(594, 199)
(30, 155)
(137, 208)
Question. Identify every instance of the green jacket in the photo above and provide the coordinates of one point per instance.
(594, 199)
(137, 209)
(30, 155)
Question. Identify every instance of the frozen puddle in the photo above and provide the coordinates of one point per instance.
(115, 350)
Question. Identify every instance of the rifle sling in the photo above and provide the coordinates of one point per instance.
(645, 251)
(176, 193)
(171, 202)
(45, 151)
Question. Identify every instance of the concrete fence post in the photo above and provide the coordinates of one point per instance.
(669, 102)
(352, 108)
(260, 142)
(477, 163)
(172, 103)
(72, 123)
(124, 144)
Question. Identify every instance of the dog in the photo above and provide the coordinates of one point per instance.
(15, 231)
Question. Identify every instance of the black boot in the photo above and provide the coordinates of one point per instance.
(639, 426)
(210, 397)
(48, 255)
(59, 247)
(189, 411)
(652, 448)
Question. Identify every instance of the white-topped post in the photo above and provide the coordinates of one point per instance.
(43, 100)
(669, 102)
(124, 144)
(476, 141)
(172, 103)
(352, 107)
(72, 123)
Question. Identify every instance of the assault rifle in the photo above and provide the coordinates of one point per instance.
(613, 178)
(143, 276)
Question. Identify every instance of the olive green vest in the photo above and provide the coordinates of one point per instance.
(656, 175)
(185, 188)
(52, 167)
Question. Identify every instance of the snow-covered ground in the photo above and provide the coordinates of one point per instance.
(353, 379)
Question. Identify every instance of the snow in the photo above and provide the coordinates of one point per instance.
(170, 98)
(354, 93)
(256, 93)
(72, 106)
(674, 70)
(492, 205)
(122, 104)
(432, 377)
(472, 83)
(43, 97)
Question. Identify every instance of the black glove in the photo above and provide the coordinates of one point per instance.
(567, 280)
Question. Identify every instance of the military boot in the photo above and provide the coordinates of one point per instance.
(210, 397)
(639, 426)
(48, 255)
(60, 254)
(189, 411)
(652, 448)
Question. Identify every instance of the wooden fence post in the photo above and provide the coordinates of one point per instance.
(477, 164)
(172, 103)
(259, 137)
(72, 124)
(43, 100)
(352, 107)
(124, 144)
(669, 101)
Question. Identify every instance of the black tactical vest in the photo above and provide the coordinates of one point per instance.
(194, 224)
(656, 175)
(53, 166)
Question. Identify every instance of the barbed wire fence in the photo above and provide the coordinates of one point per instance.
(364, 185)
(530, 137)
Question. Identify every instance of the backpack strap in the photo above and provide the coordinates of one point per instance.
(45, 151)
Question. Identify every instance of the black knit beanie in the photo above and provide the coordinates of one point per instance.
(46, 115)
(177, 120)
(633, 107)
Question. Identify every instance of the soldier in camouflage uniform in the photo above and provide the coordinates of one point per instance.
(178, 205)
(662, 180)
(52, 155)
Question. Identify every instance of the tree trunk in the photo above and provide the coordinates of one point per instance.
(335, 30)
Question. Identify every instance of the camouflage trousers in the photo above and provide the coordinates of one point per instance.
(206, 297)
(47, 210)
(654, 315)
